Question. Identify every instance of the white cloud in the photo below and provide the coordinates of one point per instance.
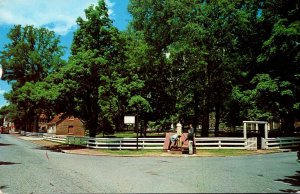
(2, 91)
(57, 15)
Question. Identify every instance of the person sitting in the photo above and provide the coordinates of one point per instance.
(173, 140)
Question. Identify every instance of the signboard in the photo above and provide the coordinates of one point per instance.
(129, 119)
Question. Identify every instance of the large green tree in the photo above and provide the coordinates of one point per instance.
(31, 54)
(204, 40)
(29, 57)
(93, 54)
(272, 92)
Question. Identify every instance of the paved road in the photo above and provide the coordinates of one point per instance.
(25, 168)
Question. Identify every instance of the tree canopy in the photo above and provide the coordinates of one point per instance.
(177, 61)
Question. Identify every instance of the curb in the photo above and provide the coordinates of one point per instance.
(165, 154)
(114, 155)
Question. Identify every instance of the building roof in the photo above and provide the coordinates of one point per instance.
(56, 118)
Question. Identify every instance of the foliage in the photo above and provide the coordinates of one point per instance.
(273, 89)
(32, 54)
(203, 62)
(177, 61)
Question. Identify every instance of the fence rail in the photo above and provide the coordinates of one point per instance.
(157, 143)
(221, 143)
(126, 143)
(280, 142)
(25, 133)
(58, 139)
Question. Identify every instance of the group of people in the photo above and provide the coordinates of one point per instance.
(174, 139)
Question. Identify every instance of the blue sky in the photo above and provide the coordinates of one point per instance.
(57, 15)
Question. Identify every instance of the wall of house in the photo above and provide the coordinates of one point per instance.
(70, 126)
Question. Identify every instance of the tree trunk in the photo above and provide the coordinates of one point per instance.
(196, 110)
(92, 126)
(205, 122)
(35, 123)
(288, 125)
(217, 118)
(206, 97)
(141, 128)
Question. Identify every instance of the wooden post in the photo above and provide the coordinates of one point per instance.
(245, 130)
(267, 128)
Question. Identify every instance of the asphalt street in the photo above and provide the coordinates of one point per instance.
(27, 168)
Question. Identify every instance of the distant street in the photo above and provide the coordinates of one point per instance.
(26, 168)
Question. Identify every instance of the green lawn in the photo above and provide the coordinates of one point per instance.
(221, 152)
(226, 152)
(133, 152)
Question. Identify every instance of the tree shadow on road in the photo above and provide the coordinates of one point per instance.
(59, 148)
(4, 144)
(8, 163)
(3, 187)
(292, 181)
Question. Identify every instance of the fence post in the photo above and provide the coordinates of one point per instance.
(280, 143)
(120, 145)
(219, 143)
(143, 144)
(264, 143)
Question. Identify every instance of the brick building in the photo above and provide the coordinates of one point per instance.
(62, 124)
(42, 123)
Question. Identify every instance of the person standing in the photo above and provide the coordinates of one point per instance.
(191, 131)
(190, 138)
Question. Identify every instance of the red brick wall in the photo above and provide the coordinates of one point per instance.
(64, 127)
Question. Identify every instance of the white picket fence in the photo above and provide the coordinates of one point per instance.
(157, 143)
(226, 143)
(126, 143)
(67, 139)
(280, 142)
(54, 138)
(34, 134)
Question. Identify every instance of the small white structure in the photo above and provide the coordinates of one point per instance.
(256, 123)
(179, 128)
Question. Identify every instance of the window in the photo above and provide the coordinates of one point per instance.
(70, 129)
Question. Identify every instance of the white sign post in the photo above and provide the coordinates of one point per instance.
(130, 120)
